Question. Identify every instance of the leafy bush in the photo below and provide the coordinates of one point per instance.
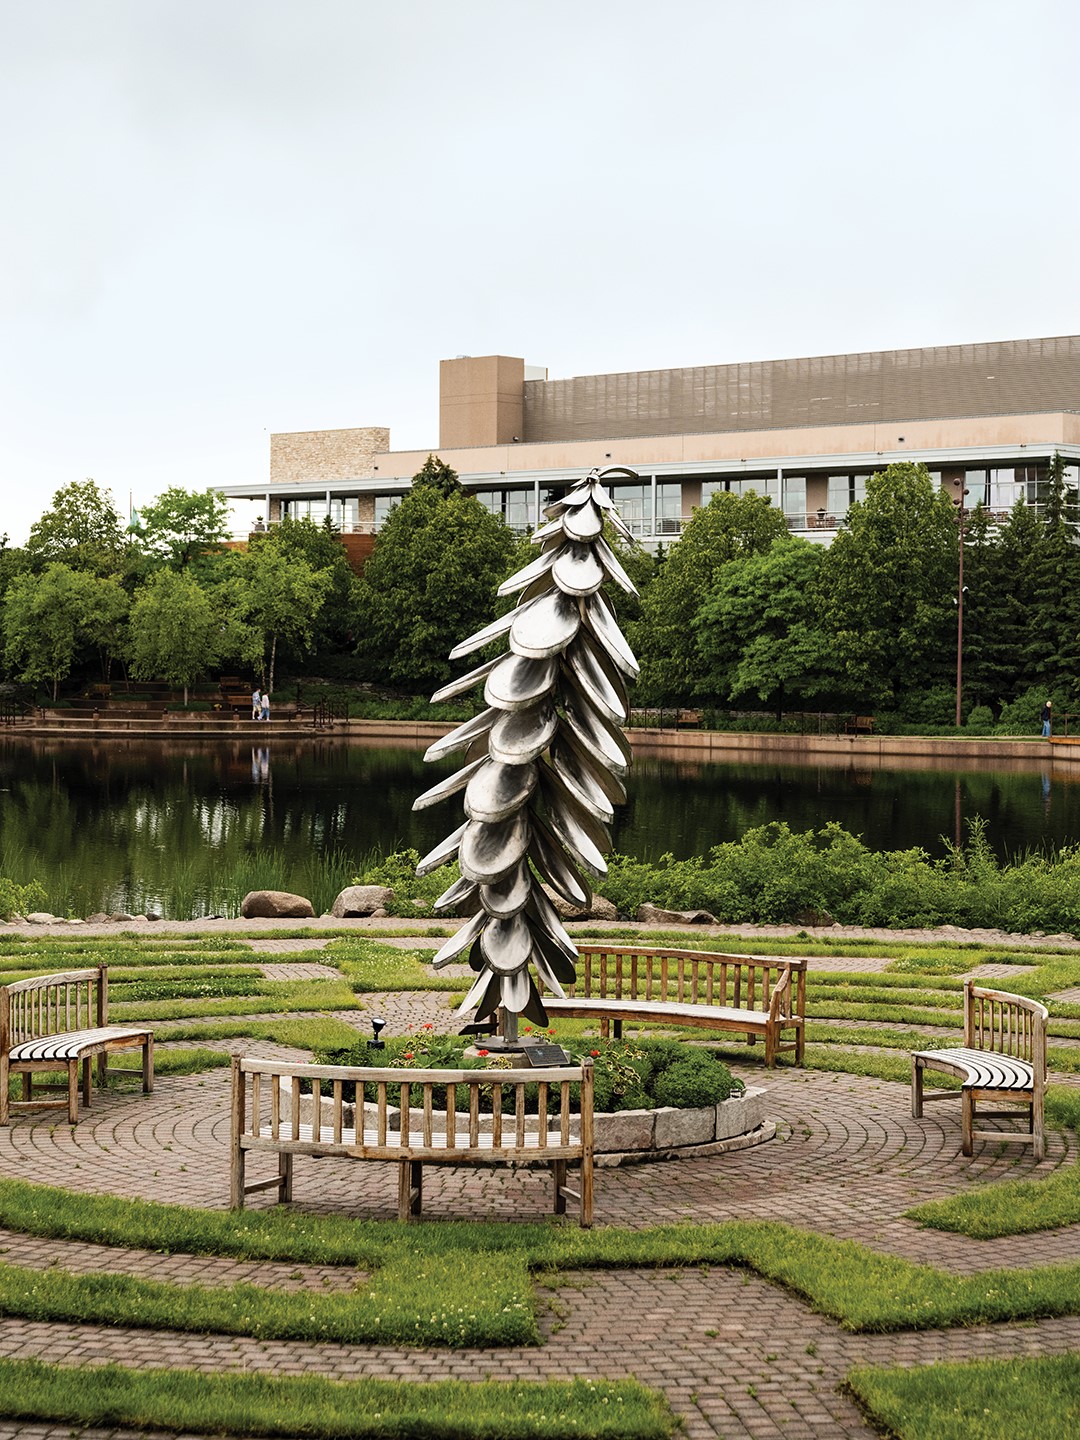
(627, 1074)
(414, 897)
(20, 899)
(981, 720)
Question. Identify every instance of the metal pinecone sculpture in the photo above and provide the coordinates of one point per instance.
(543, 763)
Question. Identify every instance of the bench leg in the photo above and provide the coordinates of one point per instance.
(5, 1098)
(410, 1189)
(148, 1065)
(770, 1048)
(1038, 1137)
(73, 1092)
(236, 1178)
(605, 1027)
(86, 1081)
(558, 1175)
(27, 1085)
(585, 1216)
(967, 1122)
(916, 1089)
(285, 1168)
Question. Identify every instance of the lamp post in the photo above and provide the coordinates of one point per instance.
(958, 501)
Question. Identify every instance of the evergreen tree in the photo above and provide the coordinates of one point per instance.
(1053, 634)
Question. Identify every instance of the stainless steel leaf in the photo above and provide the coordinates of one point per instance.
(459, 893)
(552, 861)
(611, 563)
(483, 982)
(533, 571)
(548, 978)
(463, 735)
(507, 944)
(445, 788)
(444, 851)
(490, 851)
(517, 990)
(517, 682)
(583, 523)
(577, 770)
(592, 681)
(545, 626)
(497, 791)
(577, 570)
(553, 529)
(459, 942)
(583, 835)
(509, 895)
(518, 736)
(546, 920)
(464, 682)
(615, 676)
(484, 637)
(597, 737)
(602, 624)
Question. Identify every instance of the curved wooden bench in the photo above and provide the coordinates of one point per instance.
(58, 1022)
(1003, 1059)
(759, 996)
(280, 1108)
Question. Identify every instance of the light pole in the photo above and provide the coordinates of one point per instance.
(960, 512)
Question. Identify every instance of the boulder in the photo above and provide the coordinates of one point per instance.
(275, 905)
(813, 918)
(42, 917)
(600, 909)
(357, 900)
(98, 918)
(653, 915)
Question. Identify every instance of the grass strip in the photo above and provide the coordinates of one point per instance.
(183, 1400)
(1010, 1207)
(172, 1062)
(322, 1033)
(424, 1303)
(282, 995)
(976, 1400)
(372, 967)
(468, 1283)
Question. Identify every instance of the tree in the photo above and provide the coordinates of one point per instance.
(729, 527)
(889, 588)
(1053, 641)
(82, 529)
(279, 599)
(48, 617)
(174, 630)
(181, 525)
(320, 546)
(758, 630)
(437, 564)
(439, 476)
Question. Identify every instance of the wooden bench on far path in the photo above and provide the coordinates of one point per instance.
(759, 996)
(57, 1022)
(1003, 1059)
(279, 1109)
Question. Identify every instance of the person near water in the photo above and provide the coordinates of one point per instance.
(1045, 717)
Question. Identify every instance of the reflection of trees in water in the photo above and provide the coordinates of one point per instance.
(127, 817)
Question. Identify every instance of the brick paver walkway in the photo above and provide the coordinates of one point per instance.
(737, 1357)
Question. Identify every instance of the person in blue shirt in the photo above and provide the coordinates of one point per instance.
(1046, 720)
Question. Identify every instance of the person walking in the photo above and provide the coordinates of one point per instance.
(264, 706)
(1046, 720)
(256, 703)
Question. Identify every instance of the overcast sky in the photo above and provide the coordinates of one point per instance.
(222, 218)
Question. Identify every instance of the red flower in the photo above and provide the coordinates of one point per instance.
(594, 1053)
(408, 1055)
(429, 1027)
(528, 1029)
(481, 1052)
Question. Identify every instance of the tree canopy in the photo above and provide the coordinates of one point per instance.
(181, 525)
(432, 580)
(81, 529)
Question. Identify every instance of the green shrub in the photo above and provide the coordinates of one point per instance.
(694, 1080)
(981, 720)
(20, 899)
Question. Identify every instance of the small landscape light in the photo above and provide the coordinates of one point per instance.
(378, 1025)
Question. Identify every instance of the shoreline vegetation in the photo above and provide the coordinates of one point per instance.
(772, 875)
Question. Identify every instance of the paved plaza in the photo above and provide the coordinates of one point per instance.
(737, 1356)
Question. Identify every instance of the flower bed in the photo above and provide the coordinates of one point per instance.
(654, 1099)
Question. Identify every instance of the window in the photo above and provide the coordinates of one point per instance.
(383, 505)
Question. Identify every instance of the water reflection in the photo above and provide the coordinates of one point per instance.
(114, 823)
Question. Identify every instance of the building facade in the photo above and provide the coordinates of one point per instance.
(984, 418)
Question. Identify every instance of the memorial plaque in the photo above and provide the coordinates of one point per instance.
(541, 1056)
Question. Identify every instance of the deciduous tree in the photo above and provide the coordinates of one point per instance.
(438, 562)
(81, 529)
(174, 630)
(182, 525)
(49, 618)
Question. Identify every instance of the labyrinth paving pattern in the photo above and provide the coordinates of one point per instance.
(737, 1357)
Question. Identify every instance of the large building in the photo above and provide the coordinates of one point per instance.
(985, 418)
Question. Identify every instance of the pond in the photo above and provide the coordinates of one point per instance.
(137, 824)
